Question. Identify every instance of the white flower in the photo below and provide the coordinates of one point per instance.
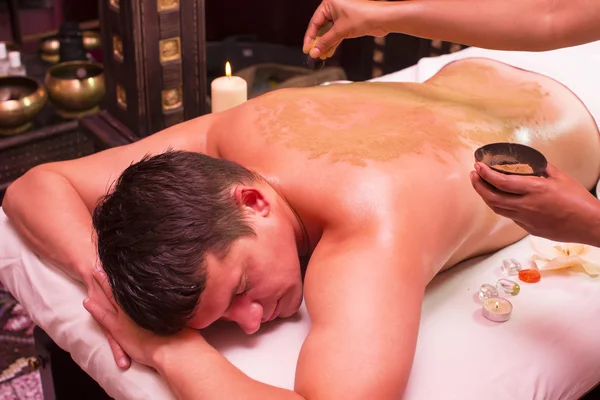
(553, 255)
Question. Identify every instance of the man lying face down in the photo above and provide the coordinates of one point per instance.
(209, 219)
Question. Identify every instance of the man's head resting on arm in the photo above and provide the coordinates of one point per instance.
(186, 239)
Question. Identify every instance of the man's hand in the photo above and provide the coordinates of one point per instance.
(556, 207)
(95, 292)
(336, 20)
(122, 332)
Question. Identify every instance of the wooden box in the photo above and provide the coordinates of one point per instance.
(154, 60)
(53, 142)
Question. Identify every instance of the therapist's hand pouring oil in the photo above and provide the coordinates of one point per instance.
(336, 20)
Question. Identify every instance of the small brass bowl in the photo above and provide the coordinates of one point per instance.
(76, 88)
(21, 100)
(91, 40)
(50, 58)
(50, 46)
(512, 159)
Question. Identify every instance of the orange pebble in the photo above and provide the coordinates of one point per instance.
(530, 275)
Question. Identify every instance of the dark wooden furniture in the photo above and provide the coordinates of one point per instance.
(27, 19)
(54, 142)
(50, 138)
(62, 378)
(15, 25)
(366, 58)
(80, 10)
(270, 21)
(154, 61)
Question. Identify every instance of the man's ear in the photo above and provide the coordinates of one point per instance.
(252, 199)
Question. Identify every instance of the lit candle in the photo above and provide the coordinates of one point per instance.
(497, 309)
(228, 91)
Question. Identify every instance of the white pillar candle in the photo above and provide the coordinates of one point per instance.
(228, 91)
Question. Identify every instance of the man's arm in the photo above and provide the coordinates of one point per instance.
(50, 206)
(195, 370)
(364, 297)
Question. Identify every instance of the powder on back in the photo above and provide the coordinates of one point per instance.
(360, 122)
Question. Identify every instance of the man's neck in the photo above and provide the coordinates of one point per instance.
(300, 234)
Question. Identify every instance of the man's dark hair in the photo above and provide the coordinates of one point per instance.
(155, 227)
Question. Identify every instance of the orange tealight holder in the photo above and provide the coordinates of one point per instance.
(530, 275)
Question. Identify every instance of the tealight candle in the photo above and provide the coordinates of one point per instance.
(228, 91)
(497, 309)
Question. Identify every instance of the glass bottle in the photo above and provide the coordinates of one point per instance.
(15, 67)
(3, 60)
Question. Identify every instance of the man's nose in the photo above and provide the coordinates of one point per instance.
(246, 313)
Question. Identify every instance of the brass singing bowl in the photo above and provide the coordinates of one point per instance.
(50, 46)
(91, 40)
(76, 88)
(21, 100)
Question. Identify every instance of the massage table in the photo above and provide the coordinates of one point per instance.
(549, 349)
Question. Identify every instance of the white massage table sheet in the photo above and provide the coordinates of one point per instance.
(550, 348)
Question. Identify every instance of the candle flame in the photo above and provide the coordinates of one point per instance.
(228, 69)
(496, 304)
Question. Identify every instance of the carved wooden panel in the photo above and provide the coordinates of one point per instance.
(156, 72)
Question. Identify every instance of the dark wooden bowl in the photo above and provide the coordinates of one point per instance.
(512, 159)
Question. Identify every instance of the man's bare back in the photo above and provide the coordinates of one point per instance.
(340, 151)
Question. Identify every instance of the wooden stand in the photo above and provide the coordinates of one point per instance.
(106, 131)
(54, 142)
(61, 377)
(154, 62)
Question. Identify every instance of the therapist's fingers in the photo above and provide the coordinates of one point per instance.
(319, 18)
(327, 40)
(121, 358)
(331, 51)
(325, 46)
(507, 183)
(499, 202)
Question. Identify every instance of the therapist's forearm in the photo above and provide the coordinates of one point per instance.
(532, 25)
(590, 233)
(54, 221)
(195, 370)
